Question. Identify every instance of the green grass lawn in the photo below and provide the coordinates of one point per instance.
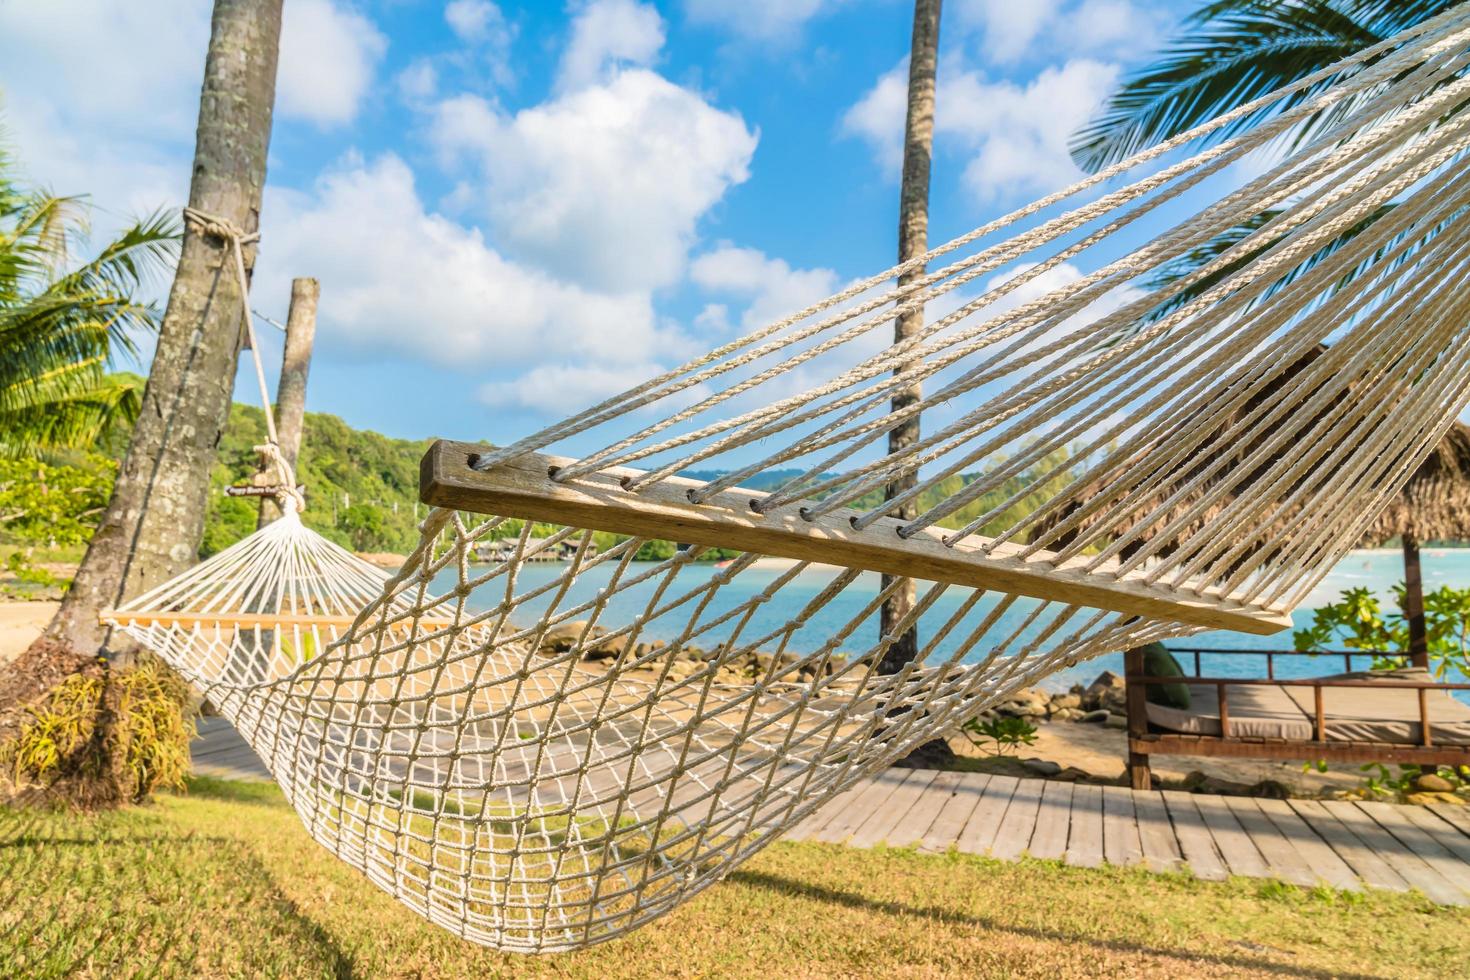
(224, 882)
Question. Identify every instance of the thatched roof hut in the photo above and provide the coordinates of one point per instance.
(1435, 502)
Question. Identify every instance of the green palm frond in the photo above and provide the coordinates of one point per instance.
(63, 322)
(1227, 61)
(1232, 52)
(74, 406)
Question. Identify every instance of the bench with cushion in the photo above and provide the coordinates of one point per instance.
(1365, 716)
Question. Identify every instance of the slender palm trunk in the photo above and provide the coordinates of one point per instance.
(913, 240)
(155, 520)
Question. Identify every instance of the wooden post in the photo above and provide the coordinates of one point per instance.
(1139, 774)
(291, 393)
(1414, 603)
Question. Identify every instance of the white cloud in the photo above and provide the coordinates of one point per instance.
(475, 20)
(1013, 30)
(758, 20)
(101, 59)
(398, 279)
(489, 35)
(419, 81)
(878, 117)
(771, 287)
(606, 35)
(329, 55)
(1019, 135)
(1016, 136)
(604, 185)
(1008, 27)
(558, 389)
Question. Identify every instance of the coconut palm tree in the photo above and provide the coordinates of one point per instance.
(1228, 53)
(913, 240)
(62, 323)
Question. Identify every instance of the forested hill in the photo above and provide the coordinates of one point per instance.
(362, 488)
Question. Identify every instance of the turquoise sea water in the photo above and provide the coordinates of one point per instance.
(1376, 570)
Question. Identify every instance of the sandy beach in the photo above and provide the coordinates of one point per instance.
(21, 623)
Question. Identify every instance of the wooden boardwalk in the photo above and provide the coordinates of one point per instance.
(1340, 844)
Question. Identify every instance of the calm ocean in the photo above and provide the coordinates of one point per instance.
(1377, 570)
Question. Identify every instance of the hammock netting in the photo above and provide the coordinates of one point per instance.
(543, 755)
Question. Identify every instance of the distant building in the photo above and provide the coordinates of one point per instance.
(537, 549)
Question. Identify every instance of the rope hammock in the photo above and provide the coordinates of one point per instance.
(540, 756)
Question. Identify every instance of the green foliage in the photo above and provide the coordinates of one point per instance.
(62, 322)
(53, 504)
(153, 729)
(362, 492)
(17, 564)
(1357, 621)
(361, 487)
(1234, 51)
(1380, 780)
(1014, 499)
(56, 731)
(1006, 734)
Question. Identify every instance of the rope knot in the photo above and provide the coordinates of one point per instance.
(216, 227)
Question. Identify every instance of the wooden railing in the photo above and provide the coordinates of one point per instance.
(1138, 683)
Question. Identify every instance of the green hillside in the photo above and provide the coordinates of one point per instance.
(361, 487)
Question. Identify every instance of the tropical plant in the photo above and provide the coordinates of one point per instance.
(1005, 734)
(53, 504)
(1358, 621)
(1230, 52)
(63, 322)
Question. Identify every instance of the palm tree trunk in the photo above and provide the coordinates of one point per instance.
(913, 240)
(155, 519)
(291, 392)
(1414, 603)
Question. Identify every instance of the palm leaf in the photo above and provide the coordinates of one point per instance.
(1230, 59)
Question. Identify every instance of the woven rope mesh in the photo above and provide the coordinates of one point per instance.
(541, 755)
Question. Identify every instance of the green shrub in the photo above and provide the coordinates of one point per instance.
(1007, 734)
(1357, 621)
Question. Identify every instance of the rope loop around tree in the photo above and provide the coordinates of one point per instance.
(235, 239)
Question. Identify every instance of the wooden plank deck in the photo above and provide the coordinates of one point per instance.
(1340, 844)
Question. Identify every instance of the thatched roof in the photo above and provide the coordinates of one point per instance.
(1143, 520)
(1435, 503)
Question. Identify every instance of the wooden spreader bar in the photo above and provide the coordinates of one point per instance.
(265, 621)
(523, 488)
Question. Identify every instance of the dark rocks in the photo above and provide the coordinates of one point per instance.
(1108, 691)
(1096, 717)
(934, 754)
(1198, 782)
(1042, 767)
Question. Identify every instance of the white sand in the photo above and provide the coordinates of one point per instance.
(20, 624)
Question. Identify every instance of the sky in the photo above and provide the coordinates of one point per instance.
(516, 209)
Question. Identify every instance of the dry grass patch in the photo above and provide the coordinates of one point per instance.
(225, 882)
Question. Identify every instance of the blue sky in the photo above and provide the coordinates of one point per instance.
(517, 208)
